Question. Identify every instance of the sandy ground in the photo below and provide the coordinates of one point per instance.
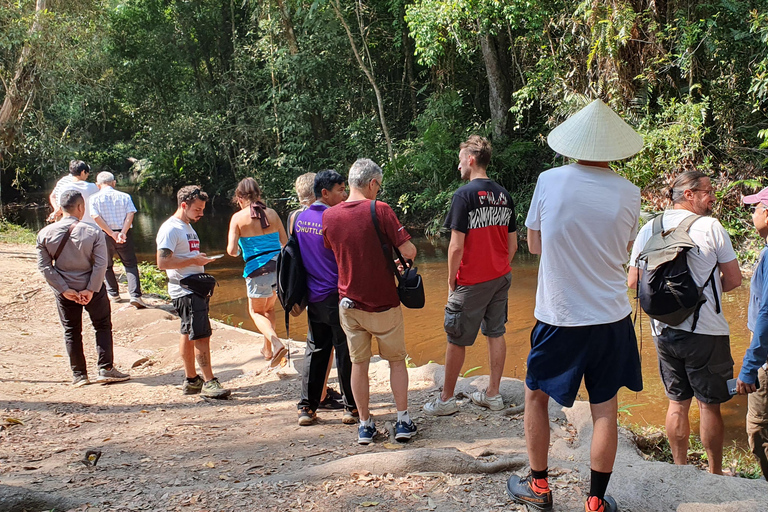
(161, 450)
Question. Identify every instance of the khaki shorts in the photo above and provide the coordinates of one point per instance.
(361, 326)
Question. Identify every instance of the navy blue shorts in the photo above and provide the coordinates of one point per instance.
(604, 355)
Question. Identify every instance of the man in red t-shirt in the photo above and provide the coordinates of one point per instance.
(483, 243)
(369, 305)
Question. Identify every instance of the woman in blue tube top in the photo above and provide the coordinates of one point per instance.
(257, 233)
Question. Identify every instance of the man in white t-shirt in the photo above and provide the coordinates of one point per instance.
(696, 361)
(582, 221)
(75, 180)
(178, 253)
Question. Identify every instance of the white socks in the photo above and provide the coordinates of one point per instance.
(403, 416)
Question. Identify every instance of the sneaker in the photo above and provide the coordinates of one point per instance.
(595, 504)
(115, 298)
(330, 392)
(214, 389)
(330, 403)
(138, 303)
(192, 388)
(437, 407)
(80, 380)
(306, 416)
(350, 417)
(404, 431)
(365, 434)
(111, 375)
(524, 491)
(494, 403)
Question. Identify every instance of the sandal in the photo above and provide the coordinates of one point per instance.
(266, 357)
(278, 357)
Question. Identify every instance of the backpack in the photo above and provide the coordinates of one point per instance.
(291, 280)
(665, 287)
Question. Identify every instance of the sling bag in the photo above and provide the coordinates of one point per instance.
(410, 287)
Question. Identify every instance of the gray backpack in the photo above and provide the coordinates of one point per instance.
(665, 287)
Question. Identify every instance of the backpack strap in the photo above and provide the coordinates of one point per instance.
(685, 224)
(710, 280)
(385, 246)
(658, 224)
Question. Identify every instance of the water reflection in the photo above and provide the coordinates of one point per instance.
(425, 338)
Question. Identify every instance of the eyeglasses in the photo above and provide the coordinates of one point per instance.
(755, 207)
(709, 191)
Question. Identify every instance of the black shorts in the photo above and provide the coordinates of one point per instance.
(605, 356)
(193, 310)
(693, 364)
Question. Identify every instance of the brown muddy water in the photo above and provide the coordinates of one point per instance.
(425, 338)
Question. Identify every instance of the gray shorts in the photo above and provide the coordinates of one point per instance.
(693, 364)
(261, 287)
(479, 306)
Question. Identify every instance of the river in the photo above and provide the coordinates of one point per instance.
(425, 338)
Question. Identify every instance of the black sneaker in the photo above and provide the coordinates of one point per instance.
(214, 389)
(330, 392)
(194, 387)
(80, 380)
(330, 403)
(111, 375)
(524, 491)
(595, 504)
(306, 416)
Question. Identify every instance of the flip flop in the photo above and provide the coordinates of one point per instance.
(278, 357)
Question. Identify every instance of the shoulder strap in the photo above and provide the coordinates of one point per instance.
(658, 224)
(64, 240)
(686, 222)
(385, 246)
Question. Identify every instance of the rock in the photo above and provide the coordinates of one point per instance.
(127, 358)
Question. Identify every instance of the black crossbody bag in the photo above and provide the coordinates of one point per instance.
(410, 287)
(200, 284)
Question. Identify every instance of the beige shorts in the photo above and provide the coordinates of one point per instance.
(361, 326)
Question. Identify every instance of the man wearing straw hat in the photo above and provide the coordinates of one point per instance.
(695, 355)
(582, 221)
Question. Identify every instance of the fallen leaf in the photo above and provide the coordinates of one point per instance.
(14, 421)
(431, 504)
(58, 355)
(393, 446)
(209, 465)
(369, 503)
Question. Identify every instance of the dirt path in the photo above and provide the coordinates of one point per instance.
(161, 450)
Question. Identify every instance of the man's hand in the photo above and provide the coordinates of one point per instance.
(744, 389)
(201, 259)
(72, 295)
(121, 238)
(85, 297)
(452, 284)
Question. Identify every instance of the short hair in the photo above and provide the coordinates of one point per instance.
(480, 148)
(363, 171)
(688, 180)
(190, 193)
(78, 166)
(69, 199)
(326, 180)
(305, 187)
(248, 189)
(105, 177)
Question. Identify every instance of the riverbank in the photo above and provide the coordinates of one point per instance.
(161, 450)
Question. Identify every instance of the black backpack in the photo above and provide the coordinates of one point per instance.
(665, 286)
(291, 280)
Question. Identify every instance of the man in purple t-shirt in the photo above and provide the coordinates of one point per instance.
(324, 331)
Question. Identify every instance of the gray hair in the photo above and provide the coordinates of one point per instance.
(688, 180)
(105, 177)
(69, 199)
(362, 172)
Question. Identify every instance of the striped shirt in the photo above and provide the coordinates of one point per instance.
(59, 188)
(111, 205)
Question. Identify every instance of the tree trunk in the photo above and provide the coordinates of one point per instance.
(498, 91)
(290, 36)
(369, 75)
(19, 90)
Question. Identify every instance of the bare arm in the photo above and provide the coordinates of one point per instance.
(730, 275)
(127, 224)
(512, 245)
(166, 260)
(455, 253)
(103, 225)
(534, 241)
(408, 250)
(234, 235)
(632, 276)
(280, 228)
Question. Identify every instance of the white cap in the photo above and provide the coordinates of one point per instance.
(596, 134)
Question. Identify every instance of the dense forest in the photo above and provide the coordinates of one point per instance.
(169, 92)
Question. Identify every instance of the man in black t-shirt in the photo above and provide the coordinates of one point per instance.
(483, 243)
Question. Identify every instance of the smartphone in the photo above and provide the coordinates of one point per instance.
(732, 386)
(215, 257)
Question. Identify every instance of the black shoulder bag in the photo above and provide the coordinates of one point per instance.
(410, 287)
(199, 284)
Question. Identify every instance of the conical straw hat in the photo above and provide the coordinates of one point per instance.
(595, 133)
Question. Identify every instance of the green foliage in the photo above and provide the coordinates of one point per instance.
(153, 281)
(14, 234)
(470, 371)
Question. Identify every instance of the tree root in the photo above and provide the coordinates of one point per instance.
(400, 463)
(512, 411)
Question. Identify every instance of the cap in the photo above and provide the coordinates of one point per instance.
(760, 197)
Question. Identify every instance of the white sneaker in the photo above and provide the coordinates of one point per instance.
(115, 298)
(437, 407)
(494, 403)
(138, 303)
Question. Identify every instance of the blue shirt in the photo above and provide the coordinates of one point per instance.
(319, 262)
(757, 321)
(258, 250)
